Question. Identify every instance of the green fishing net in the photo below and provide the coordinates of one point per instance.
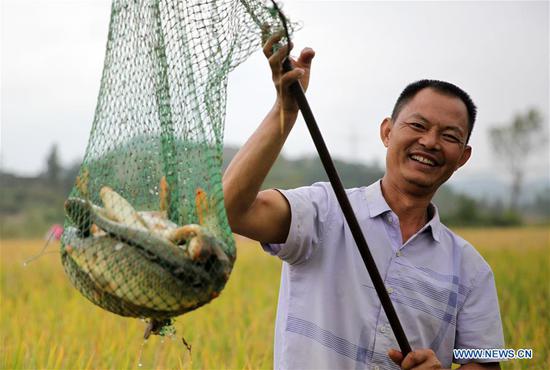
(146, 234)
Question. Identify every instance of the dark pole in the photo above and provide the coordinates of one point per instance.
(298, 92)
(358, 236)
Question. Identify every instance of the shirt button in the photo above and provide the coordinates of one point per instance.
(390, 290)
(383, 329)
(398, 254)
(376, 367)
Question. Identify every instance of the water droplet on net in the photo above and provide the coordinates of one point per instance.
(140, 353)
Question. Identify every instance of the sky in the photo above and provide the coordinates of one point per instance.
(366, 52)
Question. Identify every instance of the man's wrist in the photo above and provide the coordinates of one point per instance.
(289, 117)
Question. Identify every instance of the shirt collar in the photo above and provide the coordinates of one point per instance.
(375, 200)
(377, 206)
(435, 224)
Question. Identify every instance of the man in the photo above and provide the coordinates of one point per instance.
(328, 314)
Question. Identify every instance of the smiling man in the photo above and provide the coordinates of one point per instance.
(329, 316)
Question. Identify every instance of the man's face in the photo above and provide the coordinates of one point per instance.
(427, 141)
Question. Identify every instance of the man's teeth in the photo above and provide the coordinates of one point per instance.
(423, 160)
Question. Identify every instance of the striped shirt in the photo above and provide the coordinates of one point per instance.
(329, 316)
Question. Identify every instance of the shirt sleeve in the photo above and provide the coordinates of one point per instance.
(478, 322)
(309, 210)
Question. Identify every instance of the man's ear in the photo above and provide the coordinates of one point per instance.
(466, 154)
(385, 130)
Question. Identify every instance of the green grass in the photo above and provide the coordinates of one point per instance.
(45, 323)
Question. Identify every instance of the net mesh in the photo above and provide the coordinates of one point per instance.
(146, 233)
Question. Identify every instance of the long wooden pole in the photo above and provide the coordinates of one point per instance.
(343, 200)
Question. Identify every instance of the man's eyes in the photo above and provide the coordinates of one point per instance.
(448, 137)
(417, 125)
(452, 138)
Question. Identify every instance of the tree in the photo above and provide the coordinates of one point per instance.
(69, 176)
(515, 143)
(53, 168)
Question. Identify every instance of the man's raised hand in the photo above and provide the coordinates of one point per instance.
(281, 80)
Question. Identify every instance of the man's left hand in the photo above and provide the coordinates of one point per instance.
(420, 359)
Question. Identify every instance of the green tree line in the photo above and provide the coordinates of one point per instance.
(30, 205)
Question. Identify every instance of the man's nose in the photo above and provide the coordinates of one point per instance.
(430, 140)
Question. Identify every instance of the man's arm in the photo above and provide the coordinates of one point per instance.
(265, 216)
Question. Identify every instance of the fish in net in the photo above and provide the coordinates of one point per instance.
(146, 234)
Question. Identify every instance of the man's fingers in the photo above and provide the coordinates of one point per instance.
(396, 356)
(277, 57)
(411, 360)
(424, 357)
(290, 77)
(268, 46)
(306, 56)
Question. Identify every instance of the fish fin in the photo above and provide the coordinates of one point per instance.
(164, 194)
(201, 204)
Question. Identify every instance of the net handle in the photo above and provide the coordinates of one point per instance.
(322, 150)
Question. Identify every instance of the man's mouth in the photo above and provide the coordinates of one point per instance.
(423, 160)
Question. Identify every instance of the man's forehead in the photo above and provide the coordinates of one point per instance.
(437, 108)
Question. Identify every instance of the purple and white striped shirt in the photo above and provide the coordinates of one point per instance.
(329, 316)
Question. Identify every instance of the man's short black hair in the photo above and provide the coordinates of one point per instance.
(443, 87)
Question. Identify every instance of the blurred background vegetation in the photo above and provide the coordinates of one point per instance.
(29, 206)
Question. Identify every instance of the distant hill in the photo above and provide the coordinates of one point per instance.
(490, 188)
(30, 205)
